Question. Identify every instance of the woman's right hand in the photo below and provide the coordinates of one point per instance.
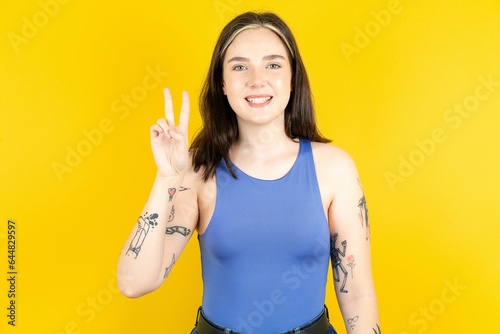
(170, 142)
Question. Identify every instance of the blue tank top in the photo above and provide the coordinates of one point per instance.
(266, 249)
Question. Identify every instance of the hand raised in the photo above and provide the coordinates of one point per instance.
(168, 141)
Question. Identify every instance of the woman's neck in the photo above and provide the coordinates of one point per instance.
(264, 153)
(261, 142)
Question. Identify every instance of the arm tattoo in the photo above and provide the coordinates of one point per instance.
(363, 213)
(144, 224)
(337, 261)
(352, 321)
(183, 188)
(171, 193)
(172, 214)
(351, 263)
(377, 330)
(179, 229)
(169, 268)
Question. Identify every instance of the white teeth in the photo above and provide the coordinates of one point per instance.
(258, 100)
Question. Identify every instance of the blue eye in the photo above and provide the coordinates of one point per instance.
(274, 66)
(239, 68)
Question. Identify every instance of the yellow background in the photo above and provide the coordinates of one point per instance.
(435, 224)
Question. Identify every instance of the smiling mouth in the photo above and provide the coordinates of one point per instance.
(258, 100)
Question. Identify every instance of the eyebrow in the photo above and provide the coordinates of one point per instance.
(244, 59)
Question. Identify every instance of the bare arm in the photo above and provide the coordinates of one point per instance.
(350, 250)
(170, 214)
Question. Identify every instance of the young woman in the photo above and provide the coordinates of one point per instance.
(271, 200)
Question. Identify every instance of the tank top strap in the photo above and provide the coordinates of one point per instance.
(304, 162)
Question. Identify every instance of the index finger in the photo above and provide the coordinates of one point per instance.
(184, 116)
(169, 109)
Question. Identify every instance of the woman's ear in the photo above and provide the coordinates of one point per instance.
(224, 88)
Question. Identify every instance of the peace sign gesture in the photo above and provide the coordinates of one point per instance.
(168, 141)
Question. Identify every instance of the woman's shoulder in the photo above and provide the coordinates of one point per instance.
(335, 169)
(329, 153)
(332, 160)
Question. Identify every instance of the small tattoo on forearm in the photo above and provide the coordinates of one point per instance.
(178, 229)
(363, 213)
(351, 263)
(171, 193)
(169, 268)
(352, 321)
(182, 188)
(172, 214)
(144, 224)
(377, 330)
(337, 261)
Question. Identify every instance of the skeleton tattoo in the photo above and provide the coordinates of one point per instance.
(337, 265)
(144, 224)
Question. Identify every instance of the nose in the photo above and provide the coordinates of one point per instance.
(257, 78)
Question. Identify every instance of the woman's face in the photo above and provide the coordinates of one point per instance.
(257, 76)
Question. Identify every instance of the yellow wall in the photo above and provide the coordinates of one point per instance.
(410, 88)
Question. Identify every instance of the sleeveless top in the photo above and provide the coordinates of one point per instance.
(265, 252)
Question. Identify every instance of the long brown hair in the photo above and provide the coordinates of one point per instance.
(220, 127)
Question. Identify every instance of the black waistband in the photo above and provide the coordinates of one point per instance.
(320, 325)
